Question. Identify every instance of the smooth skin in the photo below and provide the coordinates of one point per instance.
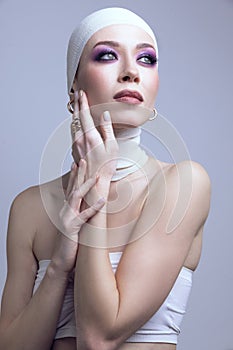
(109, 308)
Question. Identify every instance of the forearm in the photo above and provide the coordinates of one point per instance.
(96, 293)
(35, 326)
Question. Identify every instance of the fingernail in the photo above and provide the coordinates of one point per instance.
(80, 93)
(107, 116)
(101, 200)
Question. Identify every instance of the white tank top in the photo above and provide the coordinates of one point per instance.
(163, 326)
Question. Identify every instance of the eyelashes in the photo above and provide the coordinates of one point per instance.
(105, 55)
(108, 55)
(147, 59)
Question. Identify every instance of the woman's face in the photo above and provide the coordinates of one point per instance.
(119, 66)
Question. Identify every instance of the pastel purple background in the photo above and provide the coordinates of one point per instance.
(195, 66)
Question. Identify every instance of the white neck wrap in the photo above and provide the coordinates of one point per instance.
(90, 25)
(131, 155)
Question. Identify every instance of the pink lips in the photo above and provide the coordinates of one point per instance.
(128, 96)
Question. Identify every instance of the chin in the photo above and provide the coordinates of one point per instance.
(122, 113)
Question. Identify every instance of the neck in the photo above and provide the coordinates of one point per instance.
(131, 156)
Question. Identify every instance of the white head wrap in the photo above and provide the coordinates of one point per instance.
(90, 25)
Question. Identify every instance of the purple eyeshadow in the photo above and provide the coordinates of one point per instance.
(150, 53)
(100, 51)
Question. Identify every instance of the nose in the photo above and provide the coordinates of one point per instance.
(129, 73)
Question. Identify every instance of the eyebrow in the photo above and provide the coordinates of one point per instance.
(116, 44)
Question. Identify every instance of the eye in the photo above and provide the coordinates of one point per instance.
(107, 55)
(147, 59)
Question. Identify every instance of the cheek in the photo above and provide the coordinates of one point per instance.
(152, 89)
(96, 84)
(156, 86)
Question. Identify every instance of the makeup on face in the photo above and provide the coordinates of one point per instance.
(119, 68)
(103, 53)
(106, 52)
(147, 57)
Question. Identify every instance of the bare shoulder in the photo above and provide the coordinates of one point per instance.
(29, 196)
(197, 171)
(186, 171)
(33, 208)
(32, 199)
(22, 223)
(193, 173)
(27, 202)
(181, 191)
(191, 184)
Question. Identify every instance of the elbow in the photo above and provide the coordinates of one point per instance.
(93, 341)
(96, 345)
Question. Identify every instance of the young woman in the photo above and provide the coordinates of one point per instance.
(110, 264)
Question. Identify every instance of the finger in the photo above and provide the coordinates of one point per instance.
(91, 211)
(75, 154)
(86, 186)
(78, 146)
(76, 104)
(71, 179)
(80, 176)
(106, 127)
(87, 122)
(78, 194)
(107, 132)
(76, 127)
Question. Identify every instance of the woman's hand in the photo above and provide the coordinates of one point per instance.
(98, 147)
(73, 215)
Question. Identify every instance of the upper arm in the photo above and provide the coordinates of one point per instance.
(21, 263)
(173, 214)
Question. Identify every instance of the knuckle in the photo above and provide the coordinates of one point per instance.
(91, 138)
(66, 225)
(83, 217)
(108, 128)
(78, 193)
(79, 142)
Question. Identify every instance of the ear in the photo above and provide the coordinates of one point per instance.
(71, 94)
(73, 89)
(75, 83)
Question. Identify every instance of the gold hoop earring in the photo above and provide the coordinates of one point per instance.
(155, 114)
(69, 107)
